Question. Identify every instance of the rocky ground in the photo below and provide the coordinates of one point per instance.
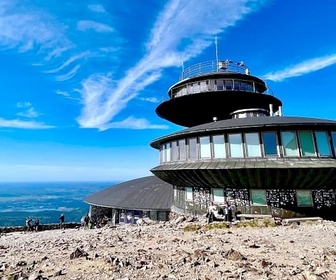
(174, 250)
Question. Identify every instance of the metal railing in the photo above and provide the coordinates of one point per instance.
(212, 66)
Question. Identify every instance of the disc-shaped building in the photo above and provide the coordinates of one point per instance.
(239, 149)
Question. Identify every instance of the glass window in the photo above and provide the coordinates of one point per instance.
(304, 198)
(162, 159)
(205, 147)
(235, 144)
(196, 87)
(243, 86)
(253, 145)
(188, 193)
(322, 142)
(182, 149)
(250, 86)
(258, 197)
(190, 89)
(218, 195)
(236, 85)
(220, 85)
(333, 135)
(218, 146)
(307, 143)
(167, 152)
(174, 151)
(204, 86)
(193, 148)
(211, 85)
(289, 143)
(270, 143)
(228, 84)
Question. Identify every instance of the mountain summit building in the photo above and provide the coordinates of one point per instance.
(238, 148)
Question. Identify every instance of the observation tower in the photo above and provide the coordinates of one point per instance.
(239, 148)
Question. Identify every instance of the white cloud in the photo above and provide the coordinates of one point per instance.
(150, 99)
(133, 123)
(69, 75)
(66, 95)
(23, 124)
(29, 110)
(97, 8)
(29, 113)
(179, 22)
(23, 104)
(302, 68)
(22, 28)
(69, 61)
(85, 25)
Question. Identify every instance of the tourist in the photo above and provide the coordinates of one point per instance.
(37, 223)
(61, 220)
(28, 224)
(86, 221)
(211, 210)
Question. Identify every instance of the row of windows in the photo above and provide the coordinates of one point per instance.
(214, 85)
(258, 197)
(252, 145)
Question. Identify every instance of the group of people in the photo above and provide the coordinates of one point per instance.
(35, 225)
(32, 226)
(222, 213)
(88, 222)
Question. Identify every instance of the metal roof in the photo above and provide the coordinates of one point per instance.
(147, 193)
(245, 124)
(279, 173)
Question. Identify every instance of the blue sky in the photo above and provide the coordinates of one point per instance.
(80, 81)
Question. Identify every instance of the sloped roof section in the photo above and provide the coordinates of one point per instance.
(147, 193)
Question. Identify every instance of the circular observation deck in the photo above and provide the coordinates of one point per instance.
(211, 90)
(251, 153)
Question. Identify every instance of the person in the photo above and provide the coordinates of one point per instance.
(28, 224)
(37, 223)
(86, 221)
(212, 208)
(62, 219)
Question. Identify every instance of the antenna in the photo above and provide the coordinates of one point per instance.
(216, 51)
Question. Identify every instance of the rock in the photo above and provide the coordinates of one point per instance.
(180, 220)
(234, 255)
(78, 253)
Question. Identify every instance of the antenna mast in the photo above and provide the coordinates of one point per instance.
(216, 52)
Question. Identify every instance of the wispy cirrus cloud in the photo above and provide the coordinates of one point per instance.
(97, 8)
(15, 123)
(133, 123)
(67, 95)
(150, 99)
(24, 29)
(178, 35)
(305, 67)
(85, 25)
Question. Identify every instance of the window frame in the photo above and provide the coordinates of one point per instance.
(204, 147)
(267, 155)
(296, 143)
(327, 142)
(241, 150)
(214, 145)
(247, 145)
(302, 143)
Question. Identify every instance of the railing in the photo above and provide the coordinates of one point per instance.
(202, 68)
(211, 85)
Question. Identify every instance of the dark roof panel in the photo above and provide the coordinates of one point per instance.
(147, 193)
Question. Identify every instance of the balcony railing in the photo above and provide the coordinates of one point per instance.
(207, 67)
